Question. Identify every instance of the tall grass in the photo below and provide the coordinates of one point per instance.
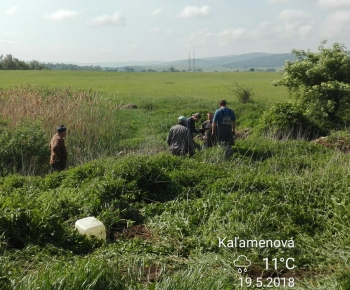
(98, 127)
(92, 128)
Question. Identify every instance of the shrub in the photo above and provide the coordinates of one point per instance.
(249, 114)
(321, 83)
(285, 120)
(24, 150)
(243, 94)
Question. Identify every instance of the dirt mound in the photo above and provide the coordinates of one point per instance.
(339, 143)
(129, 106)
(138, 231)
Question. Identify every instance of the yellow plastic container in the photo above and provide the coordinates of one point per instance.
(90, 226)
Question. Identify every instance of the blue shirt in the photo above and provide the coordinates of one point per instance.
(224, 112)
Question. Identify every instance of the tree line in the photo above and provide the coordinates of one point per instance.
(9, 62)
(63, 66)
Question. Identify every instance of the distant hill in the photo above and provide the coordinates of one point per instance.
(129, 63)
(218, 60)
(257, 60)
(270, 60)
(224, 60)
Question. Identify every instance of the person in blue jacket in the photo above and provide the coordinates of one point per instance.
(224, 126)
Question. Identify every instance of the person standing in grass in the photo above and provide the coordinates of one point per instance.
(58, 158)
(179, 139)
(224, 126)
(191, 125)
(209, 138)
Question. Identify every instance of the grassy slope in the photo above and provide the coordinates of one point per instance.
(271, 190)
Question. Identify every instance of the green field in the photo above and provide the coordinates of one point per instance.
(131, 87)
(172, 223)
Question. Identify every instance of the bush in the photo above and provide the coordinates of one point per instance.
(285, 120)
(243, 94)
(24, 150)
(321, 82)
(249, 114)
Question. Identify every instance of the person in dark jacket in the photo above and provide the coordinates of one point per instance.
(180, 140)
(191, 125)
(209, 138)
(58, 158)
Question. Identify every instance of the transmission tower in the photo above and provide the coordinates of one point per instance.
(194, 63)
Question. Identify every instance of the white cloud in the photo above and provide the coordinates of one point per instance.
(230, 35)
(292, 30)
(63, 15)
(282, 31)
(194, 11)
(334, 3)
(199, 38)
(12, 10)
(337, 22)
(106, 20)
(157, 11)
(304, 30)
(274, 1)
(289, 14)
(292, 23)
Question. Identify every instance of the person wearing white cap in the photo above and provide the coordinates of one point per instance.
(180, 139)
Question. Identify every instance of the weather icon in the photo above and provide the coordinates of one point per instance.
(242, 263)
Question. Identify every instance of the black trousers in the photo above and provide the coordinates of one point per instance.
(181, 153)
(58, 166)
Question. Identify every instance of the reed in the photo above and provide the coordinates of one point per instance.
(92, 130)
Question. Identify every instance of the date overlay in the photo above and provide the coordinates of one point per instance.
(274, 264)
(268, 282)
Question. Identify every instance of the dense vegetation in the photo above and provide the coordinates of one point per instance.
(321, 82)
(168, 219)
(11, 63)
(8, 62)
(64, 66)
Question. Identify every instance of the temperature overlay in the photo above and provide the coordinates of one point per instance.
(274, 264)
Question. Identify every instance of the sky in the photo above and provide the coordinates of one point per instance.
(100, 31)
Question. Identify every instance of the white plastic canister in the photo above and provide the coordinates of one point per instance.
(90, 226)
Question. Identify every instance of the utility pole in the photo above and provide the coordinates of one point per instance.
(189, 61)
(194, 63)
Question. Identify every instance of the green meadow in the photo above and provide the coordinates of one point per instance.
(172, 223)
(132, 87)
